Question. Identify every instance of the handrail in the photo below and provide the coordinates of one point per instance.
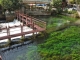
(36, 24)
(36, 21)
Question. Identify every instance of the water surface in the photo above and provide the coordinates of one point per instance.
(26, 52)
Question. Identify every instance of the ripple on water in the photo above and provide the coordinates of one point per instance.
(26, 52)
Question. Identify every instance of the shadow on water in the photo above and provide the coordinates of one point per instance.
(22, 51)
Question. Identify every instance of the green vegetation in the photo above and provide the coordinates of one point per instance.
(71, 12)
(62, 45)
(10, 4)
(75, 1)
(56, 7)
(58, 21)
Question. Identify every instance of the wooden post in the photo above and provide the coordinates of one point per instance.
(8, 34)
(22, 20)
(20, 17)
(26, 20)
(22, 30)
(30, 22)
(33, 30)
(33, 35)
(17, 15)
(33, 25)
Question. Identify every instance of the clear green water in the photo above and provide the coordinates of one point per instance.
(27, 52)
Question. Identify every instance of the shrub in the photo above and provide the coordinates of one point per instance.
(62, 45)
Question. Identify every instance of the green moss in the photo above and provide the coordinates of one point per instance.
(62, 45)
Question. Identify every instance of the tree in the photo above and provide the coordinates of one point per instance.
(58, 5)
(78, 1)
(75, 1)
(72, 1)
(10, 4)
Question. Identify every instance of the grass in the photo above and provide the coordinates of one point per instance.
(58, 21)
(62, 45)
(64, 18)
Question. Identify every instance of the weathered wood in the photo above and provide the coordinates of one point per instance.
(30, 21)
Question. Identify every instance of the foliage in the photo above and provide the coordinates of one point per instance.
(76, 15)
(62, 45)
(58, 4)
(10, 4)
(72, 1)
(78, 1)
(75, 1)
(56, 7)
(54, 21)
(58, 22)
(72, 12)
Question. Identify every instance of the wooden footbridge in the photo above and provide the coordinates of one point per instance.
(36, 25)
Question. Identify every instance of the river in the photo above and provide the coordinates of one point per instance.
(24, 52)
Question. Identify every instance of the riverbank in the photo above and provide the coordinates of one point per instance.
(62, 43)
(55, 27)
(22, 52)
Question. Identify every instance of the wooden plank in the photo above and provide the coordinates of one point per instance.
(20, 34)
(25, 18)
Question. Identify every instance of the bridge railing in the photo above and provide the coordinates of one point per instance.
(29, 19)
(40, 23)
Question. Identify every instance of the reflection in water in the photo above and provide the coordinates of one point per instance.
(26, 52)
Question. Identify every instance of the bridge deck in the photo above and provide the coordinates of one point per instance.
(33, 24)
(23, 33)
